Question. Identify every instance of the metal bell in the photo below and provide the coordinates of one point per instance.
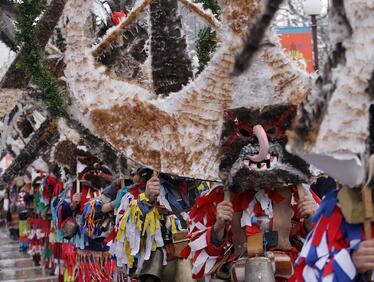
(184, 271)
(169, 271)
(259, 269)
(238, 270)
(152, 268)
(69, 229)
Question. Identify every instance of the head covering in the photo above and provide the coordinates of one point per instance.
(179, 134)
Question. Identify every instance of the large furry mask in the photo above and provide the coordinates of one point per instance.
(241, 168)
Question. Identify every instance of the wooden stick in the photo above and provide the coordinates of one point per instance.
(78, 190)
(368, 210)
(227, 196)
(368, 207)
(300, 191)
(122, 180)
(368, 214)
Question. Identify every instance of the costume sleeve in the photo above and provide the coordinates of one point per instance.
(205, 253)
(326, 255)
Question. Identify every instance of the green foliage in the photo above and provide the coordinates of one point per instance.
(32, 60)
(212, 5)
(207, 38)
(205, 46)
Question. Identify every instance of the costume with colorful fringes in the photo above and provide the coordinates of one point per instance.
(95, 266)
(64, 252)
(127, 196)
(41, 243)
(48, 245)
(142, 227)
(23, 226)
(326, 255)
(140, 232)
(24, 230)
(88, 226)
(38, 231)
(94, 262)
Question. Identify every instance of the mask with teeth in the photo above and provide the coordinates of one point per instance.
(253, 149)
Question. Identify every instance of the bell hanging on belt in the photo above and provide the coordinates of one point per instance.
(152, 268)
(259, 269)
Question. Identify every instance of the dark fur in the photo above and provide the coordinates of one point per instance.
(39, 144)
(134, 39)
(255, 36)
(245, 178)
(171, 66)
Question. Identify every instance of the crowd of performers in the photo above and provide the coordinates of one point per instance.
(155, 227)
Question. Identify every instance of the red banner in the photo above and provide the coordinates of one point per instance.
(297, 43)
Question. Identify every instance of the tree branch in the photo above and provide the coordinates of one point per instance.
(16, 77)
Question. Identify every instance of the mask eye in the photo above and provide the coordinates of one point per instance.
(245, 133)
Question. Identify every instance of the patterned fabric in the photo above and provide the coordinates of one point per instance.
(142, 227)
(138, 229)
(94, 267)
(36, 236)
(326, 255)
(253, 204)
(24, 230)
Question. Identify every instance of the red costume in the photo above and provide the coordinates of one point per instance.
(206, 253)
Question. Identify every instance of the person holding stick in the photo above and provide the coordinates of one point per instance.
(264, 223)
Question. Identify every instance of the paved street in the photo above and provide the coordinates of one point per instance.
(17, 266)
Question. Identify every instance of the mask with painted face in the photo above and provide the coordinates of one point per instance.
(253, 149)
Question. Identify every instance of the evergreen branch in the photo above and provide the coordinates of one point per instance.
(32, 58)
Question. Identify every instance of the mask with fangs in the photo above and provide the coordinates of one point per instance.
(253, 153)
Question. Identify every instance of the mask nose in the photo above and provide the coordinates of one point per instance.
(263, 140)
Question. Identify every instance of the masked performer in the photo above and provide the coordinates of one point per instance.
(95, 224)
(45, 187)
(151, 228)
(24, 207)
(269, 212)
(94, 263)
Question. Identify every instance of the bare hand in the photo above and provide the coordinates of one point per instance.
(363, 258)
(152, 188)
(307, 207)
(225, 213)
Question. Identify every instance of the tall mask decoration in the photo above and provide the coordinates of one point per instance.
(334, 130)
(179, 133)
